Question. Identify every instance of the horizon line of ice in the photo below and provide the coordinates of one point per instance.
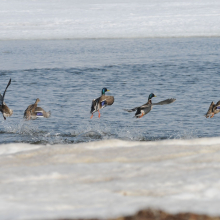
(33, 20)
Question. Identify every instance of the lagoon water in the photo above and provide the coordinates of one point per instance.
(67, 74)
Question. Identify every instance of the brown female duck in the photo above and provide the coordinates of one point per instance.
(213, 109)
(34, 112)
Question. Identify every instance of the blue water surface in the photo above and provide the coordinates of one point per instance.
(67, 74)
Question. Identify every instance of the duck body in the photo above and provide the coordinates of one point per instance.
(213, 109)
(4, 109)
(33, 111)
(146, 108)
(101, 102)
(40, 113)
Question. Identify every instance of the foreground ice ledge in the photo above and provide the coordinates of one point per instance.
(109, 178)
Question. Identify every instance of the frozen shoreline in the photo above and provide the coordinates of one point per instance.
(95, 19)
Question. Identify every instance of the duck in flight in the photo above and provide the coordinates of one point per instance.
(213, 109)
(34, 112)
(101, 102)
(146, 108)
(4, 109)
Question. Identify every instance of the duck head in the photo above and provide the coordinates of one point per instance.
(104, 90)
(151, 96)
(37, 100)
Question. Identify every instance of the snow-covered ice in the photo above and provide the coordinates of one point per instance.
(109, 178)
(70, 19)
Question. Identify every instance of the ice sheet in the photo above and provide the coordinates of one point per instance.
(109, 178)
(70, 19)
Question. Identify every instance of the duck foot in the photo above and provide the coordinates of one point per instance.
(99, 114)
(212, 115)
(91, 116)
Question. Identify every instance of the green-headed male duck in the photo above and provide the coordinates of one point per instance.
(101, 102)
(146, 108)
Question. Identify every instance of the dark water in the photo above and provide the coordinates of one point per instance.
(67, 74)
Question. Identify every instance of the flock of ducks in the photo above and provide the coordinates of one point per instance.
(34, 112)
(142, 110)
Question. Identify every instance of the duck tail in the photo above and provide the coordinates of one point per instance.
(47, 114)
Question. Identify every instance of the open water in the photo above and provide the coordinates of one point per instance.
(67, 74)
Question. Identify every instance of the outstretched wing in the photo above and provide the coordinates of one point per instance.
(141, 107)
(165, 102)
(210, 110)
(131, 110)
(109, 100)
(95, 105)
(2, 98)
(217, 106)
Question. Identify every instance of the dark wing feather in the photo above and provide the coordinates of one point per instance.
(217, 106)
(165, 102)
(2, 99)
(94, 106)
(131, 110)
(141, 107)
(210, 110)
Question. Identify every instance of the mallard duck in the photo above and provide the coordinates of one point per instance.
(34, 112)
(213, 109)
(5, 110)
(101, 102)
(146, 108)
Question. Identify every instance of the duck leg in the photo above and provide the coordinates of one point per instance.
(99, 114)
(212, 115)
(91, 116)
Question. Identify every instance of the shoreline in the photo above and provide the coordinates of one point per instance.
(152, 214)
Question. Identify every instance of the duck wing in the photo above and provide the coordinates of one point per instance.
(95, 105)
(131, 110)
(41, 113)
(217, 106)
(104, 101)
(107, 100)
(210, 110)
(165, 102)
(2, 97)
(139, 107)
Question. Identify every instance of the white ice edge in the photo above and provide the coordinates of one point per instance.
(13, 148)
(72, 19)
